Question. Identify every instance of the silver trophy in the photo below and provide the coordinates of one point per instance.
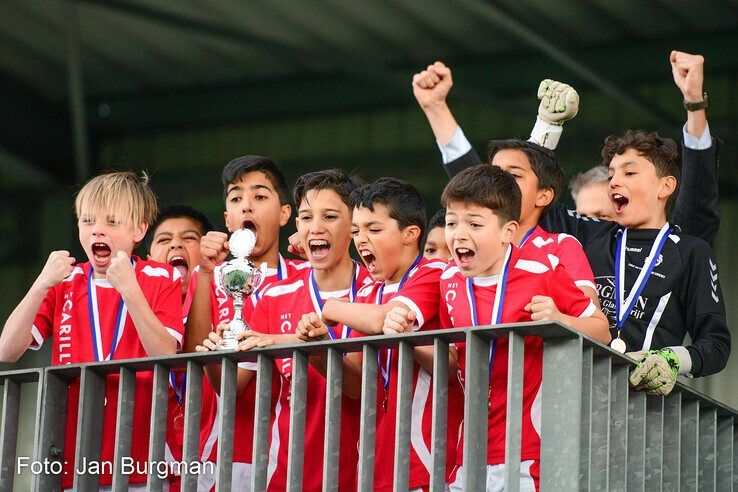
(238, 279)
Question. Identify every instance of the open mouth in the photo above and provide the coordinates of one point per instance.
(101, 253)
(319, 248)
(180, 264)
(619, 201)
(464, 257)
(250, 225)
(370, 261)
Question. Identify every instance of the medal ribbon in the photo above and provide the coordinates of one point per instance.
(281, 269)
(387, 365)
(624, 305)
(496, 307)
(178, 389)
(94, 313)
(318, 301)
(527, 235)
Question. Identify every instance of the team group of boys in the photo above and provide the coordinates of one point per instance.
(503, 250)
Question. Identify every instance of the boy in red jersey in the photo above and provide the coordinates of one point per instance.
(490, 281)
(387, 226)
(435, 241)
(255, 194)
(114, 306)
(324, 226)
(174, 239)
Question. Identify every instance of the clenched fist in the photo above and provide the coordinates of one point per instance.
(432, 85)
(559, 102)
(311, 328)
(58, 267)
(689, 73)
(399, 320)
(120, 273)
(543, 308)
(213, 250)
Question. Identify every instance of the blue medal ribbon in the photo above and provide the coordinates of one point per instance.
(623, 304)
(94, 316)
(496, 307)
(378, 300)
(318, 301)
(527, 235)
(179, 390)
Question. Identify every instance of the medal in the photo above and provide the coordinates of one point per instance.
(624, 305)
(318, 301)
(496, 309)
(94, 316)
(179, 418)
(179, 391)
(386, 367)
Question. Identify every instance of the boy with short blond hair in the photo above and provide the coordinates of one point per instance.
(114, 306)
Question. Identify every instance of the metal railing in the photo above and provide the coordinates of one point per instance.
(596, 432)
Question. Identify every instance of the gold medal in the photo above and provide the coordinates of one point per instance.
(179, 419)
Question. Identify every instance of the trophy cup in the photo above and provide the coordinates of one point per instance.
(238, 279)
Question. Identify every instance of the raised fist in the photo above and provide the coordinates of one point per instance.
(57, 268)
(432, 85)
(120, 273)
(399, 320)
(311, 328)
(689, 73)
(295, 246)
(559, 102)
(543, 308)
(213, 250)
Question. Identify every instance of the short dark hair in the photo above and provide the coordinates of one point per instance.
(543, 161)
(487, 186)
(661, 152)
(403, 201)
(238, 167)
(336, 180)
(438, 219)
(175, 212)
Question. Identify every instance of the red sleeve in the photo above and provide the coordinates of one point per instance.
(43, 324)
(168, 307)
(421, 293)
(569, 299)
(259, 320)
(571, 256)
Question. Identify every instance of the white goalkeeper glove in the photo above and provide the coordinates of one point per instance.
(559, 103)
(656, 372)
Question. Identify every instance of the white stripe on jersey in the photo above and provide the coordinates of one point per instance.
(531, 266)
(213, 437)
(280, 290)
(156, 271)
(420, 398)
(655, 320)
(77, 270)
(450, 272)
(274, 445)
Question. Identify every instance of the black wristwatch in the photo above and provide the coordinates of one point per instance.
(696, 106)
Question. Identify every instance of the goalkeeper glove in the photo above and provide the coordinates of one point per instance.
(656, 372)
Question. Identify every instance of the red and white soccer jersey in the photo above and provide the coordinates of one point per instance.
(278, 312)
(65, 316)
(222, 311)
(560, 249)
(526, 278)
(420, 293)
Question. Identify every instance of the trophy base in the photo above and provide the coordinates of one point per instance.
(230, 336)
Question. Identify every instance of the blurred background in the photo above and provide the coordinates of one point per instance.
(178, 88)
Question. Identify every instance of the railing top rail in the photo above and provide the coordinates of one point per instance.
(546, 330)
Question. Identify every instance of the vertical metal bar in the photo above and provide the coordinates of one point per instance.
(403, 416)
(192, 416)
(476, 411)
(671, 457)
(158, 430)
(77, 94)
(51, 429)
(586, 417)
(262, 410)
(227, 407)
(332, 439)
(599, 465)
(89, 424)
(561, 392)
(636, 448)
(689, 448)
(439, 432)
(514, 411)
(368, 418)
(654, 455)
(724, 468)
(123, 426)
(298, 404)
(9, 432)
(618, 441)
(707, 454)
